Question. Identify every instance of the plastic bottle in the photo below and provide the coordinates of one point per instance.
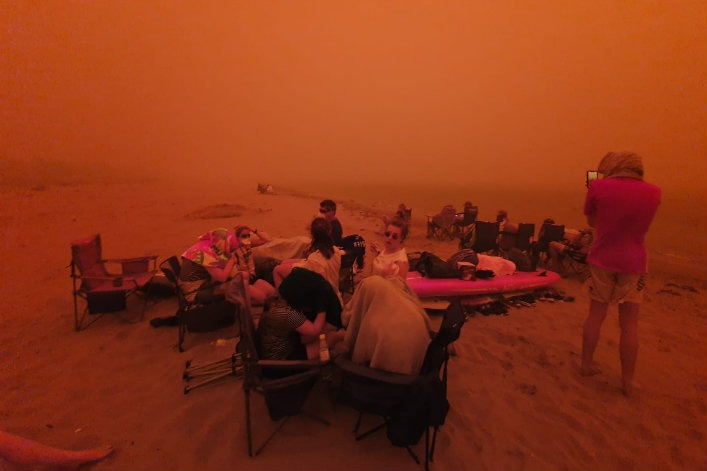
(323, 349)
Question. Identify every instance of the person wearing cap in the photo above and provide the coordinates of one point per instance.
(620, 207)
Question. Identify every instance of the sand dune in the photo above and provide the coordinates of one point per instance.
(517, 399)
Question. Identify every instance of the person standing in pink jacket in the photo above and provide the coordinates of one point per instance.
(620, 207)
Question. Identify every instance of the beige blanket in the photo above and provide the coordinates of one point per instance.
(282, 249)
(387, 328)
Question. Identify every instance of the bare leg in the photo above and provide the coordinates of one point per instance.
(590, 338)
(628, 345)
(27, 453)
(281, 271)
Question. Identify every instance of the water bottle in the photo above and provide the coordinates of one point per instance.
(323, 349)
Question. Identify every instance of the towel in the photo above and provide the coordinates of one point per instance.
(388, 329)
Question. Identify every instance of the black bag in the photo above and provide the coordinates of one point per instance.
(464, 255)
(355, 244)
(431, 266)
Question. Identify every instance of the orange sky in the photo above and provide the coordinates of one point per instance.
(528, 90)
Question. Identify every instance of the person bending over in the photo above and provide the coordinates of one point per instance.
(387, 327)
(286, 333)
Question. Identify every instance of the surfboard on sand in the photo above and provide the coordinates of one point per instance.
(448, 287)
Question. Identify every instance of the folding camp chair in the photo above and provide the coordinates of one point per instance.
(441, 226)
(196, 316)
(285, 384)
(574, 263)
(524, 236)
(408, 404)
(482, 238)
(574, 257)
(548, 233)
(103, 290)
(464, 222)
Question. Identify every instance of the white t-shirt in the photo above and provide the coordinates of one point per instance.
(328, 268)
(383, 262)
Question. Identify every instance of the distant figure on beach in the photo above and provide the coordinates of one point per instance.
(403, 212)
(29, 454)
(327, 208)
(620, 207)
(266, 188)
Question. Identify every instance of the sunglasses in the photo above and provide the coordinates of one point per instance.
(244, 236)
(391, 235)
(324, 210)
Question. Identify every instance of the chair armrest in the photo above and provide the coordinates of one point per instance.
(135, 265)
(112, 278)
(289, 364)
(130, 259)
(363, 371)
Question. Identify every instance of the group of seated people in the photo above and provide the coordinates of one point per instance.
(573, 244)
(383, 325)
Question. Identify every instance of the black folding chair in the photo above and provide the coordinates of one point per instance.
(408, 404)
(285, 384)
(196, 316)
(485, 237)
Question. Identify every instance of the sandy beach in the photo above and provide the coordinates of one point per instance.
(517, 400)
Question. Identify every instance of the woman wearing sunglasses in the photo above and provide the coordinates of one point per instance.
(392, 260)
(387, 328)
(260, 290)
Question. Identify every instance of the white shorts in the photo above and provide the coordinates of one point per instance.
(610, 287)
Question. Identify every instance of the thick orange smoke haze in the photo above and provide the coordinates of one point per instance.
(533, 91)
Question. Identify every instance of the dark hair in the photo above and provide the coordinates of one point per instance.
(328, 204)
(397, 221)
(321, 237)
(239, 229)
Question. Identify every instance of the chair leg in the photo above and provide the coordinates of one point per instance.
(414, 456)
(430, 448)
(181, 331)
(78, 320)
(248, 422)
(144, 306)
(267, 440)
(212, 372)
